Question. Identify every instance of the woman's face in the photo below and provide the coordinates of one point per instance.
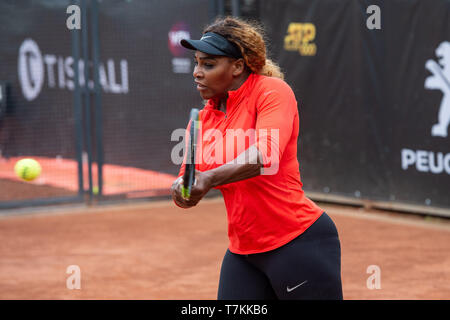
(214, 75)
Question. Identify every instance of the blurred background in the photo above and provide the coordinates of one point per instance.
(97, 106)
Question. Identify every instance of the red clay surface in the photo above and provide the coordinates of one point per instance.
(63, 174)
(22, 190)
(158, 251)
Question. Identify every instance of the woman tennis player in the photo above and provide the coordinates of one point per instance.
(281, 244)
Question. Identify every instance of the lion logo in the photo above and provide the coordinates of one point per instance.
(440, 79)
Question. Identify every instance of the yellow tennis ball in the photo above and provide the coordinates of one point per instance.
(27, 169)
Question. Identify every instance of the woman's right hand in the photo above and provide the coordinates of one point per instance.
(176, 193)
(202, 184)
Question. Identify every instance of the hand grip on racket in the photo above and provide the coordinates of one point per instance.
(189, 172)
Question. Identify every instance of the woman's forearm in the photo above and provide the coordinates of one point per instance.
(247, 165)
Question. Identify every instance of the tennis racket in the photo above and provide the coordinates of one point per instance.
(189, 172)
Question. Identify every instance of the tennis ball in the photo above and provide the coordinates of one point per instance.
(95, 190)
(27, 169)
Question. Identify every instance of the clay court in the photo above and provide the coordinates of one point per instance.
(154, 250)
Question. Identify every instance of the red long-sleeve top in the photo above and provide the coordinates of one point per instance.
(266, 211)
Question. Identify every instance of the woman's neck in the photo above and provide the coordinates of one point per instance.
(221, 102)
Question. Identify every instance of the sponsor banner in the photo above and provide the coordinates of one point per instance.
(36, 69)
(145, 78)
(373, 86)
(138, 125)
(181, 60)
(36, 62)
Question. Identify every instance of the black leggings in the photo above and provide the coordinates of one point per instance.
(308, 267)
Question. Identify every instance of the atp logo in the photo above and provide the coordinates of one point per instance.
(300, 37)
(440, 79)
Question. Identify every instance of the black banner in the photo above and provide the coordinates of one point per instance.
(145, 83)
(39, 117)
(145, 78)
(142, 38)
(372, 79)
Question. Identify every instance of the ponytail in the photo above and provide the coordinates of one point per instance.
(271, 69)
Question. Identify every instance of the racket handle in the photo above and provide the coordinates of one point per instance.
(185, 192)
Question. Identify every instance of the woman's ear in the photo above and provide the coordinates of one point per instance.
(238, 67)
